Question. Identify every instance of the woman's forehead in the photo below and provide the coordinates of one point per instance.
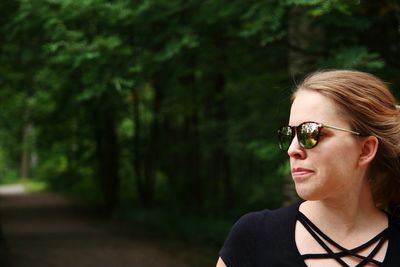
(313, 106)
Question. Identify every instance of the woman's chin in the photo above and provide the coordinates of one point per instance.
(307, 194)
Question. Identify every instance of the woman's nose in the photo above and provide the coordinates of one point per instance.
(295, 150)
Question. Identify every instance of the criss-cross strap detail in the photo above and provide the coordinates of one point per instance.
(319, 236)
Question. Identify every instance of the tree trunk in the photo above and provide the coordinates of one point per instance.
(191, 157)
(26, 146)
(144, 153)
(107, 151)
(396, 7)
(221, 156)
(305, 38)
(192, 176)
(26, 150)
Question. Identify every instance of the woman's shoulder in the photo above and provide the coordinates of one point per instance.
(393, 256)
(261, 236)
(267, 219)
(394, 225)
(394, 222)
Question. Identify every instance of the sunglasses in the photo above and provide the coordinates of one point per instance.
(308, 134)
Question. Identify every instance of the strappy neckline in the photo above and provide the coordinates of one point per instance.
(323, 240)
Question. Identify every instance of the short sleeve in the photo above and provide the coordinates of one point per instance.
(263, 238)
(240, 245)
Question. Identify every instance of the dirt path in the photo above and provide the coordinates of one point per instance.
(46, 230)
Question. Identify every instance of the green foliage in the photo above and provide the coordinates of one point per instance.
(263, 151)
(173, 225)
(265, 18)
(87, 190)
(34, 186)
(53, 166)
(354, 58)
(324, 7)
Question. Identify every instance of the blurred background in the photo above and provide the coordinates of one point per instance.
(163, 113)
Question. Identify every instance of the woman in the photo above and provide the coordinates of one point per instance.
(344, 146)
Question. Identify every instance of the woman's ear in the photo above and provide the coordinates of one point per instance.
(369, 146)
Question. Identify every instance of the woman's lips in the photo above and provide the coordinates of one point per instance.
(301, 173)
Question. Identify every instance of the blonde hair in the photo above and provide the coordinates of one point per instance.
(371, 109)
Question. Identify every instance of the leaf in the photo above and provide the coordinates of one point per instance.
(356, 57)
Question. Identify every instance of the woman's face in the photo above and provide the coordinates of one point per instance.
(329, 169)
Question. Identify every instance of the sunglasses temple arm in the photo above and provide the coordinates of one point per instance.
(341, 129)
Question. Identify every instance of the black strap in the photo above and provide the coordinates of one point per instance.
(317, 234)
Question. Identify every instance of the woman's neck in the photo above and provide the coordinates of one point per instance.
(345, 214)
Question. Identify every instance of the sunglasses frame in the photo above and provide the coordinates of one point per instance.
(296, 129)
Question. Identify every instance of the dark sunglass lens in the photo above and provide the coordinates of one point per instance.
(308, 134)
(285, 135)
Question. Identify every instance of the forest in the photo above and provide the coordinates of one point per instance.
(164, 112)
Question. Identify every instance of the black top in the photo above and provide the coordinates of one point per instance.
(266, 238)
